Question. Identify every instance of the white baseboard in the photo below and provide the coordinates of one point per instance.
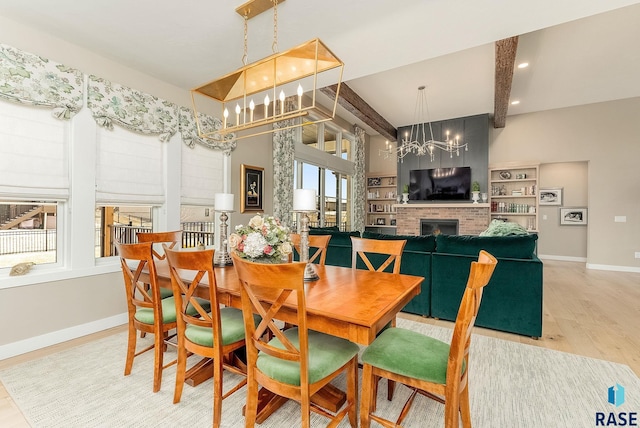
(562, 258)
(613, 268)
(590, 265)
(38, 342)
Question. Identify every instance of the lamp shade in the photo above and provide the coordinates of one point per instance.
(224, 202)
(304, 200)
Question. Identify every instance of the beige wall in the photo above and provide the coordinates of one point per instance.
(606, 136)
(554, 240)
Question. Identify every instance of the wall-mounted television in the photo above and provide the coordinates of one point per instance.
(440, 184)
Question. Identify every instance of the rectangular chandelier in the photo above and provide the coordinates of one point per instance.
(256, 94)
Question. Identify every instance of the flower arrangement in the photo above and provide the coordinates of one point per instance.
(262, 239)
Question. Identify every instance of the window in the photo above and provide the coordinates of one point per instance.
(28, 233)
(34, 155)
(325, 165)
(120, 223)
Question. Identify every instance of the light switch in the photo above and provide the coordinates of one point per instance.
(620, 219)
(544, 216)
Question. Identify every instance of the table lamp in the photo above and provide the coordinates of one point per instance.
(223, 205)
(304, 202)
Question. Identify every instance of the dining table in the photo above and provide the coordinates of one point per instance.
(354, 304)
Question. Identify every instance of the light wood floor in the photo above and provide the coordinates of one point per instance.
(586, 312)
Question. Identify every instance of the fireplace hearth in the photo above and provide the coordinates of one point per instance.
(438, 226)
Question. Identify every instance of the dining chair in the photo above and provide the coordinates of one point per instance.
(283, 365)
(426, 365)
(208, 331)
(172, 238)
(147, 311)
(372, 252)
(319, 242)
(363, 248)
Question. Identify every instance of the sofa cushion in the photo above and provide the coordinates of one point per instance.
(424, 243)
(517, 247)
(503, 228)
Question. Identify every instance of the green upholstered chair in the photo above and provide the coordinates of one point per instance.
(204, 328)
(428, 366)
(296, 363)
(147, 311)
(171, 239)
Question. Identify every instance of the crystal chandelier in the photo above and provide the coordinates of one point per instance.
(416, 141)
(272, 82)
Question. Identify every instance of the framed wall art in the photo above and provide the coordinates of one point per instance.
(551, 196)
(251, 188)
(573, 216)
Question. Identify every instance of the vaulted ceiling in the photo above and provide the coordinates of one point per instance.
(579, 51)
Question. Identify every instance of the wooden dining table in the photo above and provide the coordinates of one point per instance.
(354, 304)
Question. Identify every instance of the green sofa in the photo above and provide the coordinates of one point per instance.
(512, 301)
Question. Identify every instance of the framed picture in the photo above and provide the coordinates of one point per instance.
(251, 188)
(373, 181)
(380, 221)
(551, 196)
(393, 222)
(573, 216)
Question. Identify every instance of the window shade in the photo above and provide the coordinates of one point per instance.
(129, 167)
(34, 153)
(202, 175)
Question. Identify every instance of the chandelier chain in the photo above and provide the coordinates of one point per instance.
(245, 57)
(274, 46)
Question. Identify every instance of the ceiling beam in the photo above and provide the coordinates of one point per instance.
(505, 61)
(360, 109)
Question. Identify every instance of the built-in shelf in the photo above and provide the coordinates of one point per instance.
(382, 191)
(520, 208)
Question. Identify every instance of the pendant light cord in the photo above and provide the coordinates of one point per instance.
(274, 46)
(246, 39)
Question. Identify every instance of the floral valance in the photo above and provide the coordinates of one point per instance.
(189, 131)
(30, 79)
(137, 111)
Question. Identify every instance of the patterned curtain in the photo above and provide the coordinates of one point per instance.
(134, 110)
(283, 156)
(190, 135)
(359, 195)
(30, 79)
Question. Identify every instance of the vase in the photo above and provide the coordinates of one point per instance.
(405, 198)
(475, 196)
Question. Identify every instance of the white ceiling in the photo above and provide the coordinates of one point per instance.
(389, 47)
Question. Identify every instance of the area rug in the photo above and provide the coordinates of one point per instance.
(511, 385)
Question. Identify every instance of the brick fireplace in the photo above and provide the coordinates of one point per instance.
(472, 218)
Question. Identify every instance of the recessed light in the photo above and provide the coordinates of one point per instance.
(523, 65)
(515, 102)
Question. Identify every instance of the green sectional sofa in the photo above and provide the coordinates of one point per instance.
(512, 302)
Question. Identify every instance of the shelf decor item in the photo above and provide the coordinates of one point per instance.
(405, 194)
(475, 192)
(373, 181)
(505, 175)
